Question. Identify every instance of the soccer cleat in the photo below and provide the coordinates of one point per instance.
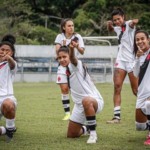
(66, 117)
(92, 139)
(147, 142)
(9, 134)
(113, 121)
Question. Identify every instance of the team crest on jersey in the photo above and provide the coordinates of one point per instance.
(59, 79)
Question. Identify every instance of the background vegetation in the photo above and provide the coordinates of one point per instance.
(40, 126)
(38, 21)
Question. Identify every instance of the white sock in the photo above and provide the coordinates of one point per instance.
(66, 103)
(117, 112)
(10, 123)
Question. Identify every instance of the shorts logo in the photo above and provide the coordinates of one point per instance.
(59, 78)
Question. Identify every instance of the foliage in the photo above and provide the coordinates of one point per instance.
(90, 17)
(42, 35)
(145, 24)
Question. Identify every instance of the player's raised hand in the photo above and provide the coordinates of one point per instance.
(135, 21)
(139, 52)
(5, 56)
(110, 25)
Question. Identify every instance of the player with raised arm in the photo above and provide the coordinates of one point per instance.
(87, 99)
(142, 71)
(125, 58)
(8, 69)
(63, 39)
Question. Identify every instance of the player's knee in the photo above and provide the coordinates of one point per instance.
(8, 107)
(65, 90)
(86, 103)
(141, 126)
(117, 88)
(72, 135)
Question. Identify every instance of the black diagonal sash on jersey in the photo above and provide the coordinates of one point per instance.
(143, 68)
(68, 75)
(123, 28)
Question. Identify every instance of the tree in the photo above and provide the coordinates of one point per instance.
(28, 19)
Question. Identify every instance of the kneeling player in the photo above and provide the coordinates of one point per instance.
(8, 69)
(87, 99)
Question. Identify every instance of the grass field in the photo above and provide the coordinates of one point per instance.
(40, 126)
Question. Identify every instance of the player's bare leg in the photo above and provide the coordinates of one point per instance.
(119, 76)
(8, 110)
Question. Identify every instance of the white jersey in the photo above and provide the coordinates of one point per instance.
(61, 38)
(81, 87)
(142, 70)
(126, 45)
(6, 79)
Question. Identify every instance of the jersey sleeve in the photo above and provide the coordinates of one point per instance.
(15, 68)
(58, 39)
(61, 70)
(128, 24)
(117, 30)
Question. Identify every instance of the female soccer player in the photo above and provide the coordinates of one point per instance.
(8, 68)
(142, 71)
(87, 99)
(64, 39)
(124, 62)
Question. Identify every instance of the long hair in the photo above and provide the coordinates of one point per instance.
(63, 23)
(9, 40)
(135, 46)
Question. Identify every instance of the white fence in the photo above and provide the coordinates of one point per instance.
(37, 63)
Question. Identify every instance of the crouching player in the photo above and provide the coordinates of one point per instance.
(8, 68)
(87, 99)
(142, 71)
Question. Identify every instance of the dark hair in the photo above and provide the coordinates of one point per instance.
(64, 49)
(9, 40)
(139, 31)
(63, 23)
(117, 11)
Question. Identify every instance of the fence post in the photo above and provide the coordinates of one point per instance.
(50, 70)
(22, 71)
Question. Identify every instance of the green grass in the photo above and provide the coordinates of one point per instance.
(40, 127)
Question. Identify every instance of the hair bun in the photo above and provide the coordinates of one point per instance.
(9, 38)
